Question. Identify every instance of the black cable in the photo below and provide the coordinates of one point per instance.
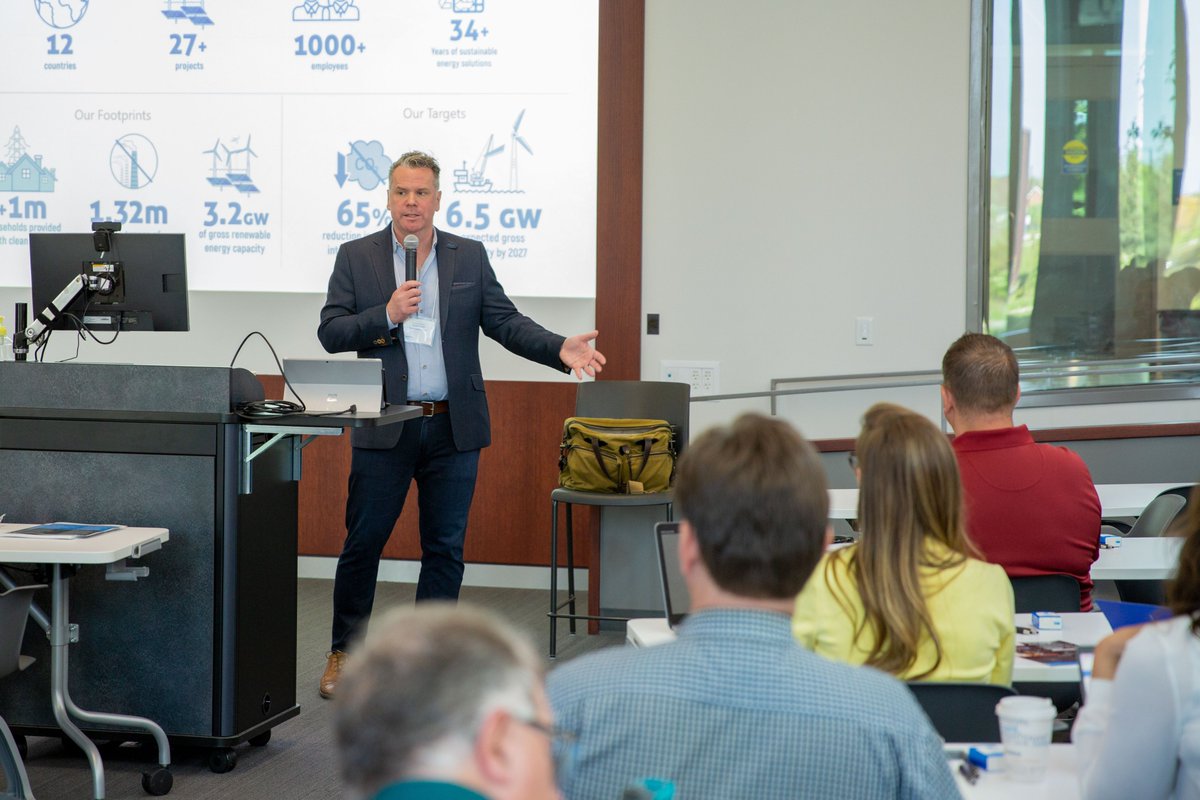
(260, 409)
(82, 331)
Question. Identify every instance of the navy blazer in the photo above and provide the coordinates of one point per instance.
(471, 299)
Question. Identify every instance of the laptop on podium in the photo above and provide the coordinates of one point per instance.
(334, 385)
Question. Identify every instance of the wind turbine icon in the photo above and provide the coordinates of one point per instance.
(243, 150)
(217, 157)
(516, 139)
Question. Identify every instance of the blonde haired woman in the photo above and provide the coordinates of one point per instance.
(909, 598)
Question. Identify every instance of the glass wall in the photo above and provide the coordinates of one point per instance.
(1092, 233)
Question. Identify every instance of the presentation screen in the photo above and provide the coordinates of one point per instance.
(263, 132)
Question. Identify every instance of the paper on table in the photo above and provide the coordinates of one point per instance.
(1057, 652)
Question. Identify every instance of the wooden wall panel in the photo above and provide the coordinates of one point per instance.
(619, 187)
(510, 516)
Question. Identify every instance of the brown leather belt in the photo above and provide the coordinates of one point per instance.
(428, 409)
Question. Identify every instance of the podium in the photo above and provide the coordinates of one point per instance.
(206, 645)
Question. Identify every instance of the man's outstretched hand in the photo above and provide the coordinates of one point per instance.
(579, 356)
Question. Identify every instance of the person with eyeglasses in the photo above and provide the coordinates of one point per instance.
(734, 707)
(446, 703)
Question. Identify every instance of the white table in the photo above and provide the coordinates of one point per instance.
(648, 632)
(1138, 559)
(111, 549)
(1129, 499)
(1116, 499)
(1061, 781)
(1082, 628)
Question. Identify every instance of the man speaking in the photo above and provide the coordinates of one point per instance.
(426, 331)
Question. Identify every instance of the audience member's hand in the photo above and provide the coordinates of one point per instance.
(578, 355)
(1109, 651)
(404, 301)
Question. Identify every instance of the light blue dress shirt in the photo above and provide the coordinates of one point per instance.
(426, 363)
(735, 708)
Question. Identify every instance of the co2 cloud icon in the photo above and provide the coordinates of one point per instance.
(366, 163)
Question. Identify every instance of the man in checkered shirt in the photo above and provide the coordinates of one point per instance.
(734, 708)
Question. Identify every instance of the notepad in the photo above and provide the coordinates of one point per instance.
(61, 530)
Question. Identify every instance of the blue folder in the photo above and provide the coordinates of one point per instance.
(1122, 615)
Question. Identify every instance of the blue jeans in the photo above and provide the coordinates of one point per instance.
(379, 481)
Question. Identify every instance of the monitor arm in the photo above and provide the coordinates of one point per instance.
(54, 308)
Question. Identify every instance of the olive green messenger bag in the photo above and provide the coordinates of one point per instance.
(617, 456)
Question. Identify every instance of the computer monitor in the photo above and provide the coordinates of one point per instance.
(151, 281)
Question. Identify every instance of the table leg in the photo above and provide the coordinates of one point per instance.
(64, 706)
(60, 640)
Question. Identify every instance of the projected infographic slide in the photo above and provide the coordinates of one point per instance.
(264, 131)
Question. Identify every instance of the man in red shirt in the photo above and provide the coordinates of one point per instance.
(1031, 508)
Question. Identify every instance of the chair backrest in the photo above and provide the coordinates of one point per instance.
(638, 400)
(1156, 519)
(1045, 593)
(14, 611)
(962, 712)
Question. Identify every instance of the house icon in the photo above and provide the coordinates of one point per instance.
(21, 172)
(26, 174)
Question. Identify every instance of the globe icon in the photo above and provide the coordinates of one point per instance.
(61, 13)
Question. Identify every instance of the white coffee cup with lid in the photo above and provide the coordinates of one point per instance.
(1026, 725)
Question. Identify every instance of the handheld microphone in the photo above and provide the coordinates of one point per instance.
(20, 338)
(410, 257)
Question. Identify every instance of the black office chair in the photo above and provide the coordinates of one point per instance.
(1045, 593)
(14, 610)
(962, 712)
(1156, 520)
(614, 400)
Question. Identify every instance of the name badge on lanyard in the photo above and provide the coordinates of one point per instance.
(419, 330)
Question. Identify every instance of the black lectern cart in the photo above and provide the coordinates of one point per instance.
(206, 645)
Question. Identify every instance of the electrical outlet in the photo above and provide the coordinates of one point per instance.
(703, 376)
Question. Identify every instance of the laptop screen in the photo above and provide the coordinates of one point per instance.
(676, 601)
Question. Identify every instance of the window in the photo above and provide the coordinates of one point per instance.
(1089, 233)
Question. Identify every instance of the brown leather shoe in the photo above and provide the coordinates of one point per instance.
(333, 672)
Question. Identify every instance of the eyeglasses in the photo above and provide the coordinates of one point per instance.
(853, 459)
(557, 736)
(562, 742)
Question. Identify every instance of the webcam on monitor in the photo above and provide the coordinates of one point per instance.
(102, 233)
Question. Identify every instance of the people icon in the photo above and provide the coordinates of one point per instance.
(325, 11)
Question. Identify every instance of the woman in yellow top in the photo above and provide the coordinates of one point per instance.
(909, 598)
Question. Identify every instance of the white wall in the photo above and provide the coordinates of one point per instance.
(805, 164)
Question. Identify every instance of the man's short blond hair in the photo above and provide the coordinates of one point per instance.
(415, 159)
